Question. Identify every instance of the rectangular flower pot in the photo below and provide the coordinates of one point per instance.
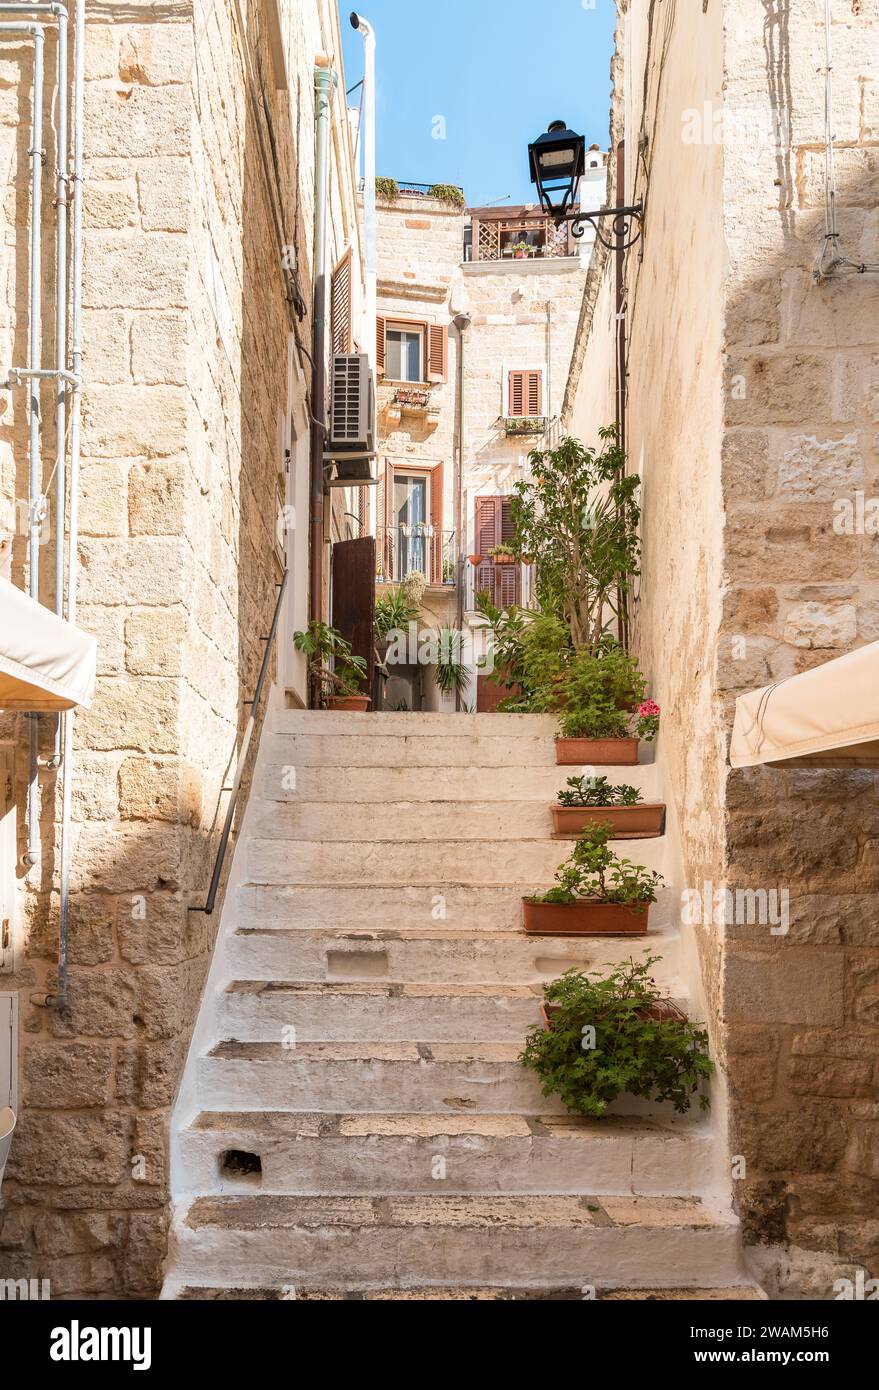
(629, 822)
(611, 752)
(350, 702)
(663, 1011)
(585, 918)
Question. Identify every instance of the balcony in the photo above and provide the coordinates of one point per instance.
(421, 549)
(514, 235)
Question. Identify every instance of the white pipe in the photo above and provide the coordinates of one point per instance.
(369, 217)
(60, 997)
(61, 190)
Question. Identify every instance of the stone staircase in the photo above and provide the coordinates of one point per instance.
(356, 1123)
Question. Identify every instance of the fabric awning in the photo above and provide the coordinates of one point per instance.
(45, 663)
(827, 717)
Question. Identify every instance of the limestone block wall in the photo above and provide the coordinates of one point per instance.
(801, 586)
(522, 316)
(186, 327)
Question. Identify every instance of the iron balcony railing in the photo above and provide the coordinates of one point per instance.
(420, 548)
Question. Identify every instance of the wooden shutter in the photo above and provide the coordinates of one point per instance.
(525, 393)
(437, 351)
(487, 529)
(380, 344)
(436, 521)
(384, 502)
(363, 509)
(340, 305)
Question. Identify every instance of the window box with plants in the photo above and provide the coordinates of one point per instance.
(597, 893)
(336, 673)
(411, 399)
(604, 1036)
(502, 555)
(524, 424)
(594, 801)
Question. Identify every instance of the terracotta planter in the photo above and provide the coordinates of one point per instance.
(350, 702)
(475, 560)
(587, 752)
(585, 918)
(662, 1012)
(641, 822)
(504, 559)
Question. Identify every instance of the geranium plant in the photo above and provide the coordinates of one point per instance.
(617, 1034)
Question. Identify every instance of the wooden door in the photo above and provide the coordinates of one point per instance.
(354, 598)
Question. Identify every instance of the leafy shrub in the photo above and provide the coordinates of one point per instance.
(447, 193)
(638, 1049)
(597, 791)
(394, 610)
(388, 189)
(593, 871)
(594, 690)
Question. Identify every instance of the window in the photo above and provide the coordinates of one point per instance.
(403, 349)
(409, 516)
(525, 394)
(493, 527)
(411, 350)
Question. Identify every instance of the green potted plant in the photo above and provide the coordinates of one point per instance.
(521, 250)
(593, 800)
(603, 1036)
(338, 684)
(597, 893)
(601, 707)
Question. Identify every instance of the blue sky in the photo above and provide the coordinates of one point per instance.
(496, 71)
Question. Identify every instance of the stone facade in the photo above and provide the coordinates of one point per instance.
(195, 435)
(523, 315)
(752, 418)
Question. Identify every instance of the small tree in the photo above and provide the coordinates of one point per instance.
(579, 517)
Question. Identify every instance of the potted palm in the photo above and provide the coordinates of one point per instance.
(597, 893)
(617, 1034)
(593, 800)
(335, 670)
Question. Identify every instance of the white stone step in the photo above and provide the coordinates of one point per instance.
(293, 782)
(425, 862)
(423, 751)
(408, 821)
(303, 1154)
(260, 1011)
(427, 955)
(390, 723)
(373, 1076)
(458, 1240)
(402, 907)
(461, 1293)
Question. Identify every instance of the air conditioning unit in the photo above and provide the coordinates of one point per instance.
(352, 428)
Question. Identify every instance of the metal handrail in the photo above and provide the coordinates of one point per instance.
(242, 756)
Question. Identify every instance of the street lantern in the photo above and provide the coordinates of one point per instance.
(557, 160)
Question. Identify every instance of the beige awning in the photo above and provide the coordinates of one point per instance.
(827, 717)
(45, 663)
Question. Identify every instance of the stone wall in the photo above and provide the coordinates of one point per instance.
(752, 418)
(800, 437)
(186, 327)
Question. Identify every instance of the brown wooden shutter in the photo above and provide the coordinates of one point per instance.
(340, 305)
(487, 532)
(384, 502)
(506, 585)
(363, 509)
(534, 393)
(436, 521)
(517, 393)
(380, 344)
(437, 351)
(508, 530)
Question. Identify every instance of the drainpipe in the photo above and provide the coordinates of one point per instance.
(369, 218)
(61, 192)
(549, 359)
(461, 323)
(325, 80)
(59, 999)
